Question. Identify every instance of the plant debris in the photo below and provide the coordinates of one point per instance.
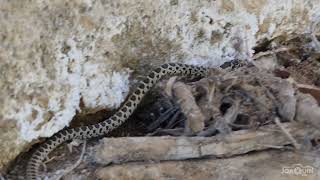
(245, 98)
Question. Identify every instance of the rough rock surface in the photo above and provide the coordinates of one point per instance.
(58, 58)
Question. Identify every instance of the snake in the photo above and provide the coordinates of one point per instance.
(114, 121)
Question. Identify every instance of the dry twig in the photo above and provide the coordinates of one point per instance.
(286, 132)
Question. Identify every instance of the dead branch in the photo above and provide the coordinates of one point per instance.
(285, 131)
(178, 148)
(195, 118)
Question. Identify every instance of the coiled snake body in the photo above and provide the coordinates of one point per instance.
(102, 128)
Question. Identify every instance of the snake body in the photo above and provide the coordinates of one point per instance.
(102, 128)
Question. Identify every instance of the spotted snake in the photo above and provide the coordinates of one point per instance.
(102, 128)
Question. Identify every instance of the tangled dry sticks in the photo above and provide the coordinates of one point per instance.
(245, 98)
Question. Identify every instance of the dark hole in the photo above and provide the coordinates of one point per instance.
(241, 121)
(224, 107)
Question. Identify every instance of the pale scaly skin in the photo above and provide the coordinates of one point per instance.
(102, 128)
